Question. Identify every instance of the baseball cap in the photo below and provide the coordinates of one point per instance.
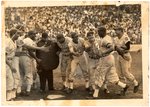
(60, 35)
(31, 32)
(90, 33)
(118, 28)
(44, 35)
(12, 32)
(101, 28)
(73, 34)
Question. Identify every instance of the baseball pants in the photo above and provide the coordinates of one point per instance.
(26, 71)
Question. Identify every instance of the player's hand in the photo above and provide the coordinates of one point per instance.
(44, 49)
(38, 61)
(75, 54)
(13, 69)
(87, 49)
(103, 55)
(57, 53)
(95, 67)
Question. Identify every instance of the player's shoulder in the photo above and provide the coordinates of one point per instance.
(28, 41)
(126, 37)
(68, 39)
(7, 39)
(107, 39)
(81, 39)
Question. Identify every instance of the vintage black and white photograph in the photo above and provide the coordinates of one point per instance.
(73, 52)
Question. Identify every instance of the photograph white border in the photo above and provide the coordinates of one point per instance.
(100, 102)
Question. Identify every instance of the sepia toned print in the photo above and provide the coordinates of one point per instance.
(74, 53)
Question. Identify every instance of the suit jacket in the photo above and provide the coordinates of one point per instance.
(49, 60)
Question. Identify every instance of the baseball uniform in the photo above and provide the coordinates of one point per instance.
(66, 59)
(125, 59)
(79, 60)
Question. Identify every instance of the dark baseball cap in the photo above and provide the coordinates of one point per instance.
(44, 35)
(13, 32)
(60, 35)
(118, 28)
(31, 33)
(101, 28)
(90, 33)
(73, 34)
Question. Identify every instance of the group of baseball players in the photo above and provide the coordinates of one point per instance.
(93, 54)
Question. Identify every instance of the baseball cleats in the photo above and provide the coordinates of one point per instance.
(69, 91)
(136, 88)
(106, 91)
(125, 90)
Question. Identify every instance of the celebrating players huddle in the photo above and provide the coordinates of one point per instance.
(93, 55)
(95, 59)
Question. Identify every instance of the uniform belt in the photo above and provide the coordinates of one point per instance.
(93, 57)
(21, 54)
(66, 55)
(9, 58)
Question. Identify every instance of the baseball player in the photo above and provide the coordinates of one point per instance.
(122, 46)
(26, 61)
(92, 49)
(12, 76)
(65, 46)
(19, 43)
(79, 59)
(106, 70)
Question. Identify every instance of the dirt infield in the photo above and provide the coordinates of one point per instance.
(80, 92)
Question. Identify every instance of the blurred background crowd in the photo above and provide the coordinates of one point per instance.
(81, 19)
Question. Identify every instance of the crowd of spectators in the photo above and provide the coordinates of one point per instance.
(77, 18)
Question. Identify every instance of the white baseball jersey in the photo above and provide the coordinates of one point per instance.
(104, 42)
(122, 41)
(79, 47)
(10, 47)
(95, 49)
(65, 47)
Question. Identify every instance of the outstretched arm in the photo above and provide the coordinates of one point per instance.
(45, 49)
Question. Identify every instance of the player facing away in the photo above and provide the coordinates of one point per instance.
(122, 46)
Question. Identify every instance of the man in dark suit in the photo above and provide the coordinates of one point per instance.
(47, 61)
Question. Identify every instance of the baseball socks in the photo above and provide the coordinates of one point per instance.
(19, 90)
(124, 86)
(65, 84)
(13, 93)
(87, 84)
(96, 92)
(28, 90)
(70, 88)
(9, 95)
(106, 91)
